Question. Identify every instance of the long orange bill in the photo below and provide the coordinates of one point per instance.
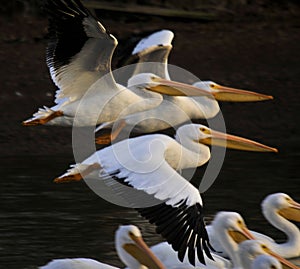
(235, 142)
(174, 88)
(285, 263)
(141, 252)
(222, 93)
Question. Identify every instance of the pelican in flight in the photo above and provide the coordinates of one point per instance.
(153, 52)
(131, 249)
(79, 54)
(149, 164)
(278, 209)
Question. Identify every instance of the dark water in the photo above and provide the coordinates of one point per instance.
(41, 220)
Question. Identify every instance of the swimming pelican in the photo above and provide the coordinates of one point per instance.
(278, 209)
(153, 52)
(234, 236)
(250, 250)
(265, 261)
(149, 163)
(232, 231)
(131, 249)
(79, 53)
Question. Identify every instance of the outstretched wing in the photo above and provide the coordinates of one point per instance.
(178, 212)
(79, 50)
(156, 39)
(154, 48)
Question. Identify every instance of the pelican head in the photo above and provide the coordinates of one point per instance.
(222, 93)
(284, 205)
(250, 249)
(159, 85)
(233, 224)
(129, 241)
(204, 135)
(265, 261)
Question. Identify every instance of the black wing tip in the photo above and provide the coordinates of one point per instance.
(183, 227)
(64, 9)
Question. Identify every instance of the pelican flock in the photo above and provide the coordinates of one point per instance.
(77, 72)
(174, 110)
(146, 172)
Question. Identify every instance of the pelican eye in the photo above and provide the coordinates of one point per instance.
(273, 266)
(202, 129)
(239, 222)
(264, 247)
(212, 85)
(131, 234)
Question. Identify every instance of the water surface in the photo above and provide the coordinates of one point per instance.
(41, 220)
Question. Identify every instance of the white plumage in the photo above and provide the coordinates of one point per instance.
(79, 54)
(150, 164)
(278, 209)
(153, 52)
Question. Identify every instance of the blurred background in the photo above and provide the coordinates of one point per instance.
(250, 45)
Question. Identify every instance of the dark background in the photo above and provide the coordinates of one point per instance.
(247, 45)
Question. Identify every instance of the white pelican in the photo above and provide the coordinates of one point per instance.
(79, 53)
(234, 236)
(149, 163)
(265, 261)
(153, 52)
(250, 251)
(232, 230)
(131, 249)
(278, 209)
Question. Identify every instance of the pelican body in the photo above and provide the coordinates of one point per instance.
(152, 53)
(79, 55)
(149, 164)
(279, 209)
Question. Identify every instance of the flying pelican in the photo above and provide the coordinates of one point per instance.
(131, 249)
(79, 53)
(149, 163)
(278, 209)
(153, 52)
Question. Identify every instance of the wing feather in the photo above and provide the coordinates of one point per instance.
(79, 49)
(154, 48)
